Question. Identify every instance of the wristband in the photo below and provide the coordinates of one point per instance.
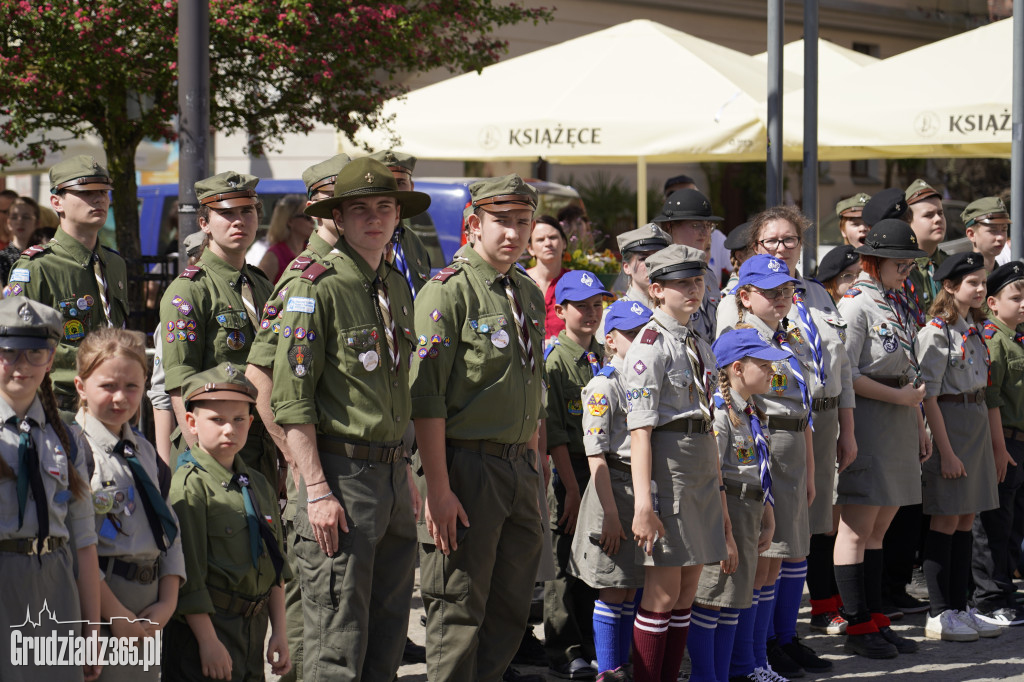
(318, 499)
(721, 488)
(323, 480)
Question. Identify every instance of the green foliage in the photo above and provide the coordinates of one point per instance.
(611, 205)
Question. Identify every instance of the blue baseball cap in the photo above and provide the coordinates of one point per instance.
(626, 315)
(764, 272)
(578, 285)
(737, 344)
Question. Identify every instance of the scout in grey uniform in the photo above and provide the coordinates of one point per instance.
(960, 478)
(679, 518)
(44, 497)
(601, 553)
(744, 369)
(635, 246)
(890, 432)
(686, 217)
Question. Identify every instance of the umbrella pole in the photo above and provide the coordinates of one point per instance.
(1017, 144)
(810, 184)
(773, 196)
(641, 190)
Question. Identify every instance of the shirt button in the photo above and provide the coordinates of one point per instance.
(394, 384)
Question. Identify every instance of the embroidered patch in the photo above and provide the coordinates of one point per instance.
(595, 431)
(597, 405)
(422, 353)
(745, 455)
(300, 333)
(299, 360)
(12, 290)
(311, 335)
(435, 315)
(169, 338)
(180, 324)
(300, 304)
(21, 275)
(287, 332)
(574, 407)
(265, 324)
(639, 367)
(649, 336)
(236, 340)
(74, 330)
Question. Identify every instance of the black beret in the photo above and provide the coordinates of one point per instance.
(958, 265)
(889, 203)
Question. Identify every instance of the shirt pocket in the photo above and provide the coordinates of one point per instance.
(53, 465)
(228, 541)
(680, 378)
(234, 334)
(76, 313)
(489, 337)
(361, 348)
(836, 325)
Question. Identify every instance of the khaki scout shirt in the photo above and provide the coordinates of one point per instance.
(951, 364)
(877, 337)
(215, 532)
(68, 514)
(331, 367)
(204, 319)
(61, 275)
(568, 371)
(1006, 391)
(605, 404)
(123, 530)
(464, 371)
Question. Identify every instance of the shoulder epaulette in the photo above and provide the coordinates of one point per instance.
(649, 336)
(188, 458)
(937, 322)
(190, 272)
(606, 371)
(33, 251)
(719, 401)
(444, 274)
(314, 272)
(301, 263)
(851, 292)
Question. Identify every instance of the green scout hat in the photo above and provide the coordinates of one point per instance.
(919, 190)
(676, 262)
(650, 237)
(365, 177)
(507, 193)
(228, 190)
(396, 161)
(79, 173)
(223, 382)
(986, 210)
(852, 207)
(320, 176)
(25, 323)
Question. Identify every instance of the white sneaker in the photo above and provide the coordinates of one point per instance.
(946, 626)
(971, 620)
(769, 675)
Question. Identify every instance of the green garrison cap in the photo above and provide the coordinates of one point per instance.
(25, 323)
(223, 382)
(396, 160)
(985, 210)
(676, 262)
(919, 190)
(852, 207)
(227, 190)
(365, 177)
(650, 237)
(79, 173)
(320, 176)
(506, 193)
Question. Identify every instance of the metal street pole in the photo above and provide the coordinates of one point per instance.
(810, 176)
(773, 194)
(1017, 148)
(193, 112)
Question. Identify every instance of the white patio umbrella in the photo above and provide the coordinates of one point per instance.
(833, 60)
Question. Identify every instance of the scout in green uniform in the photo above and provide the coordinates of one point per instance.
(231, 537)
(210, 312)
(988, 227)
(574, 359)
(481, 330)
(851, 218)
(341, 392)
(85, 282)
(407, 251)
(929, 224)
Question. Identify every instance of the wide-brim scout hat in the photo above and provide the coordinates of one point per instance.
(889, 203)
(578, 285)
(396, 161)
(853, 207)
(919, 190)
(507, 193)
(365, 177)
(228, 190)
(320, 177)
(959, 265)
(676, 262)
(765, 272)
(835, 261)
(686, 204)
(736, 344)
(891, 238)
(79, 174)
(25, 323)
(650, 237)
(223, 382)
(739, 238)
(1003, 275)
(988, 210)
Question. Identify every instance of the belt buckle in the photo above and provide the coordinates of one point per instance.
(979, 396)
(145, 575)
(902, 380)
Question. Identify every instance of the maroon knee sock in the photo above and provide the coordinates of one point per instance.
(650, 630)
(675, 644)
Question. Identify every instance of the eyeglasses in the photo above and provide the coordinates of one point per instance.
(846, 277)
(695, 225)
(906, 268)
(777, 293)
(772, 244)
(37, 357)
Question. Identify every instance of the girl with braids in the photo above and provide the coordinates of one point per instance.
(138, 545)
(46, 515)
(961, 481)
(723, 606)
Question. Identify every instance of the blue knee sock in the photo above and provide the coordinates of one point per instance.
(790, 590)
(607, 623)
(626, 628)
(701, 644)
(765, 611)
(725, 636)
(742, 661)
(771, 620)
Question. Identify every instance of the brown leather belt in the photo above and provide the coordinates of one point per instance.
(974, 397)
(686, 425)
(387, 453)
(892, 382)
(618, 464)
(744, 491)
(1013, 434)
(822, 404)
(787, 424)
(235, 604)
(28, 545)
(489, 447)
(143, 574)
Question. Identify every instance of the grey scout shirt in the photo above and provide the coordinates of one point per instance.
(950, 362)
(877, 338)
(605, 405)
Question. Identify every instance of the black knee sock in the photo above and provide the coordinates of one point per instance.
(937, 548)
(873, 570)
(850, 579)
(960, 569)
(820, 575)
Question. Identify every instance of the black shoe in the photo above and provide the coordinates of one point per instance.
(577, 669)
(870, 645)
(891, 611)
(513, 675)
(781, 662)
(805, 657)
(423, 619)
(907, 604)
(903, 645)
(414, 653)
(531, 651)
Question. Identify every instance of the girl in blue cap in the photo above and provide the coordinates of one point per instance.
(723, 602)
